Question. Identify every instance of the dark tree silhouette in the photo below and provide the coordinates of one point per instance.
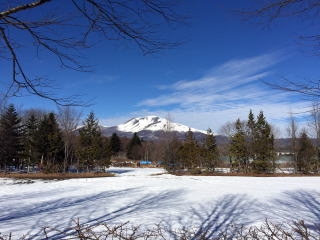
(10, 138)
(115, 144)
(134, 148)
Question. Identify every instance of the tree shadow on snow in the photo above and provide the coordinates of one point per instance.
(209, 220)
(53, 211)
(298, 205)
(95, 215)
(53, 205)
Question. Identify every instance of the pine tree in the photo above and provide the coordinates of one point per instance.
(250, 135)
(189, 153)
(92, 150)
(263, 145)
(210, 151)
(50, 144)
(105, 152)
(56, 149)
(42, 141)
(115, 144)
(90, 130)
(306, 153)
(238, 149)
(30, 138)
(134, 148)
(10, 138)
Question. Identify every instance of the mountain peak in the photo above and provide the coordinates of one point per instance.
(153, 123)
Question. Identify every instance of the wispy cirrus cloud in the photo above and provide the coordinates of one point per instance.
(226, 92)
(234, 81)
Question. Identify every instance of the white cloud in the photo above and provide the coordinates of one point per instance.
(276, 114)
(232, 81)
(225, 93)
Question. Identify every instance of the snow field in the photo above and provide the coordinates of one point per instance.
(150, 196)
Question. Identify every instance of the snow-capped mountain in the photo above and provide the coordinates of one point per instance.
(153, 123)
(150, 127)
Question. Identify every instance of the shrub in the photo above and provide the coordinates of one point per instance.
(125, 231)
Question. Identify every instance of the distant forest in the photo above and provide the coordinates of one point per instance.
(35, 140)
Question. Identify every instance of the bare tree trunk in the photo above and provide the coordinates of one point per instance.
(68, 119)
(292, 132)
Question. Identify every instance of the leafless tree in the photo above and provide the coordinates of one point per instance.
(292, 133)
(68, 118)
(62, 29)
(229, 128)
(170, 144)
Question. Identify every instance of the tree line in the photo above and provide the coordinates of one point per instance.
(250, 148)
(54, 142)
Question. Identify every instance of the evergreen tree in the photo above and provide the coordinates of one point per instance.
(56, 150)
(306, 153)
(104, 153)
(263, 145)
(134, 148)
(251, 124)
(30, 138)
(42, 141)
(115, 144)
(210, 150)
(189, 153)
(10, 138)
(91, 150)
(50, 144)
(238, 149)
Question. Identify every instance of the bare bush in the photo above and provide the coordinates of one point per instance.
(125, 231)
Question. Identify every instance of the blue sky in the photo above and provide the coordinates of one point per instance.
(214, 77)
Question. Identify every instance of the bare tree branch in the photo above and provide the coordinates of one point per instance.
(309, 89)
(66, 34)
(22, 7)
(272, 10)
(31, 86)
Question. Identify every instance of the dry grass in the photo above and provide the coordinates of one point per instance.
(54, 176)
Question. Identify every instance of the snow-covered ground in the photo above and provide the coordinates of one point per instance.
(150, 196)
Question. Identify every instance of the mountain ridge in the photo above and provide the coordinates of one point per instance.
(150, 127)
(155, 128)
(153, 123)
